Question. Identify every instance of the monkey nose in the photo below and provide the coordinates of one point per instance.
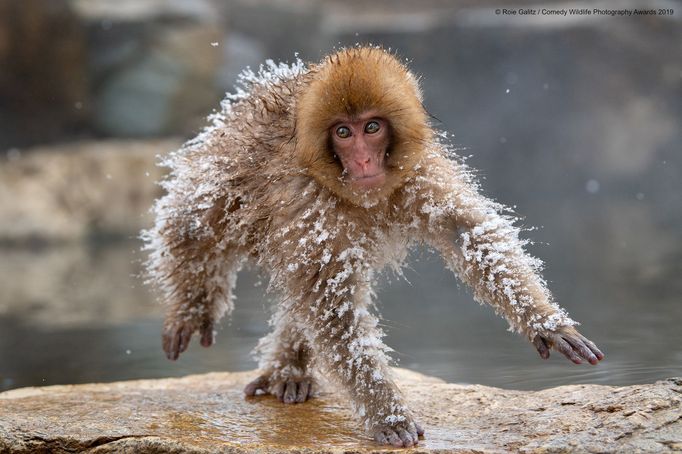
(363, 163)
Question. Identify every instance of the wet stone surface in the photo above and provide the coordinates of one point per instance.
(208, 413)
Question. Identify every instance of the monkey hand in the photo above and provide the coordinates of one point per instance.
(177, 334)
(401, 434)
(289, 390)
(567, 340)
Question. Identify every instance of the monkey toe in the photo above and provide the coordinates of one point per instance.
(278, 390)
(289, 391)
(305, 391)
(297, 391)
(407, 437)
(399, 437)
(419, 430)
(394, 438)
(259, 384)
(388, 437)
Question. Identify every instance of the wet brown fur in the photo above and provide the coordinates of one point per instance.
(263, 184)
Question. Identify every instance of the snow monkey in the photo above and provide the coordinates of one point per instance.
(322, 175)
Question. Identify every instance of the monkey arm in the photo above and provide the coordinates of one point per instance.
(483, 248)
(192, 261)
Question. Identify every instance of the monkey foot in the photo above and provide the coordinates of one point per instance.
(290, 390)
(401, 435)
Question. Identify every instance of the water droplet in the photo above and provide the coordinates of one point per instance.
(215, 44)
(592, 186)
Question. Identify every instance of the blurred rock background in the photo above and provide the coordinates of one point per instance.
(575, 121)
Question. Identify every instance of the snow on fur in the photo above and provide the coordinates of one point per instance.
(237, 192)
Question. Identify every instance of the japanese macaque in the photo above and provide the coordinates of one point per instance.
(323, 174)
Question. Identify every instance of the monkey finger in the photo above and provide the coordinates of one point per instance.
(565, 348)
(260, 383)
(591, 345)
(207, 337)
(541, 346)
(171, 353)
(165, 343)
(582, 349)
(171, 345)
(185, 336)
(303, 390)
(420, 430)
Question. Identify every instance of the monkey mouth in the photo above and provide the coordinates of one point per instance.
(369, 181)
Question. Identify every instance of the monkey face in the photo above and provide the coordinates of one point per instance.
(351, 111)
(361, 144)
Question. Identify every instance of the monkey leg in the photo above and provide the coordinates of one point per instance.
(285, 361)
(347, 344)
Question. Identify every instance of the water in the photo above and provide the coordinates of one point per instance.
(77, 313)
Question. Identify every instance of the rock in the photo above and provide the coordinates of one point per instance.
(77, 68)
(43, 81)
(75, 284)
(155, 65)
(75, 190)
(209, 414)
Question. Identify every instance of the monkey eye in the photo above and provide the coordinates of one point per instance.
(343, 132)
(372, 127)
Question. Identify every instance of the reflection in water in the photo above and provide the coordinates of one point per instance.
(77, 314)
(324, 424)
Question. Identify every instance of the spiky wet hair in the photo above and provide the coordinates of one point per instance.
(346, 84)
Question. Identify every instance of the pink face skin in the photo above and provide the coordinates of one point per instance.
(361, 144)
